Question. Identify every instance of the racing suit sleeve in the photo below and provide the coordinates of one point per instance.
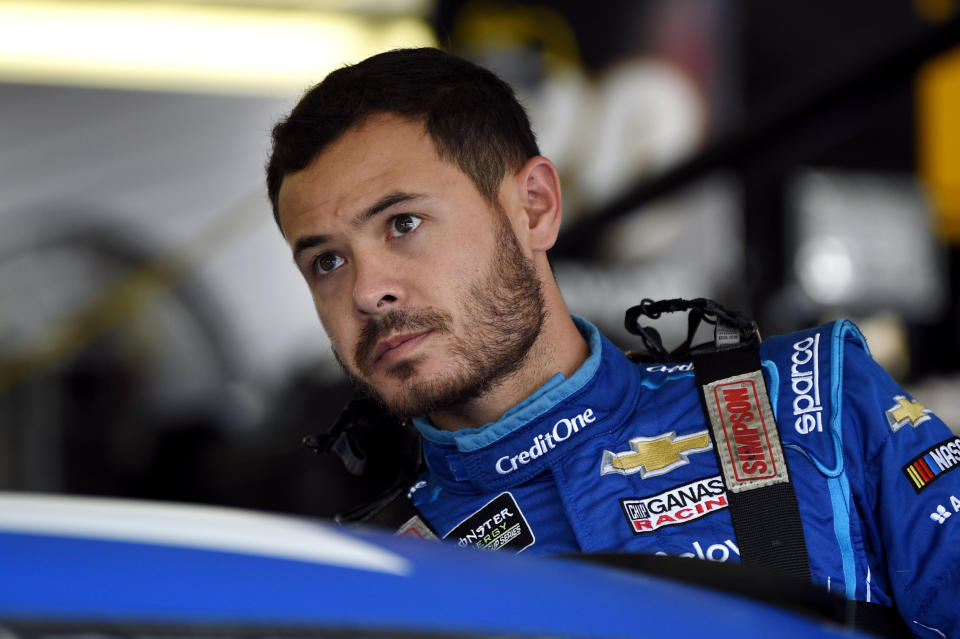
(903, 465)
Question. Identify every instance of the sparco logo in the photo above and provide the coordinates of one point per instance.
(805, 383)
(545, 442)
(678, 505)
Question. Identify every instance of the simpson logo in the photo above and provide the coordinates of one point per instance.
(499, 525)
(805, 384)
(931, 464)
(652, 456)
(906, 411)
(679, 505)
(545, 442)
(748, 444)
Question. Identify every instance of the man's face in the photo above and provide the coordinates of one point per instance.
(421, 284)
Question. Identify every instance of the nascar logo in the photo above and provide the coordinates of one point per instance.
(932, 463)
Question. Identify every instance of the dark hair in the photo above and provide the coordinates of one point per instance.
(472, 115)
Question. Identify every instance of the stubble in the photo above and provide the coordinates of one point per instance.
(503, 314)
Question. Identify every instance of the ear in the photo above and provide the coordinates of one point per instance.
(539, 190)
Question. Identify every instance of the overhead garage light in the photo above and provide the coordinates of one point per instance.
(189, 47)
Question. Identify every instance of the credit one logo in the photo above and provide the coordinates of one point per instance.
(678, 505)
(545, 442)
(805, 384)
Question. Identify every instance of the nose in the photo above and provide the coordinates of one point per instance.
(376, 288)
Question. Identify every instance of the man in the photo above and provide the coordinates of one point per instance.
(419, 211)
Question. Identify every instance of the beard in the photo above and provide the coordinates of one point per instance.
(503, 314)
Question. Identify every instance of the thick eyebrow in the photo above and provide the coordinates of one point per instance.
(384, 203)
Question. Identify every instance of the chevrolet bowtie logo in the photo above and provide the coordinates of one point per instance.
(906, 411)
(652, 456)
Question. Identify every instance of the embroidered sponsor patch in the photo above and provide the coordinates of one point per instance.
(499, 525)
(544, 443)
(906, 411)
(932, 463)
(942, 513)
(711, 552)
(748, 444)
(805, 384)
(679, 505)
(417, 528)
(652, 456)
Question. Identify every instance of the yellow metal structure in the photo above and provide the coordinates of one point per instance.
(938, 135)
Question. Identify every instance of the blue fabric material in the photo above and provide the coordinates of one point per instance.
(614, 458)
(840, 484)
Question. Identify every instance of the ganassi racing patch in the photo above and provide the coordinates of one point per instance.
(933, 463)
(499, 525)
(679, 505)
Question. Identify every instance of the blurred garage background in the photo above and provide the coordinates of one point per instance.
(799, 161)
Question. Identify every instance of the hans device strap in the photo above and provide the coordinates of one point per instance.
(734, 398)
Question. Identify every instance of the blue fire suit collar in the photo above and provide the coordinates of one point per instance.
(532, 436)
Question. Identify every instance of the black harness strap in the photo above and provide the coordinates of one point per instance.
(761, 498)
(735, 402)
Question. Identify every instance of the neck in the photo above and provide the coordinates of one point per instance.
(560, 348)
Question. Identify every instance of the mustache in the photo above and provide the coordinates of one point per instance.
(395, 321)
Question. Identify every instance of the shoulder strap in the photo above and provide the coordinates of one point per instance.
(762, 502)
(735, 402)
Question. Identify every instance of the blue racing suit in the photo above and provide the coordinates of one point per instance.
(618, 457)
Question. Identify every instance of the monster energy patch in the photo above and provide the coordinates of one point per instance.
(499, 525)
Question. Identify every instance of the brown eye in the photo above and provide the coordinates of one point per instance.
(327, 263)
(404, 224)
